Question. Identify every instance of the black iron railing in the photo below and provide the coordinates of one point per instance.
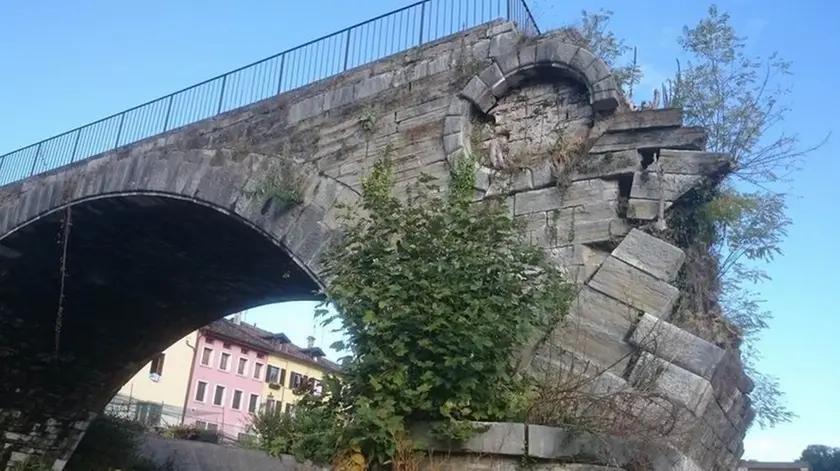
(393, 32)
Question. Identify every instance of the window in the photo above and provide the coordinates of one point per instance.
(236, 402)
(200, 391)
(201, 425)
(156, 367)
(219, 395)
(258, 370)
(212, 427)
(253, 403)
(295, 380)
(224, 361)
(317, 388)
(272, 374)
(242, 367)
(206, 356)
(270, 404)
(148, 413)
(290, 409)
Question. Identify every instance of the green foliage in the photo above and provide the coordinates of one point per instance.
(190, 432)
(601, 41)
(286, 184)
(312, 433)
(740, 100)
(821, 457)
(367, 120)
(436, 294)
(111, 443)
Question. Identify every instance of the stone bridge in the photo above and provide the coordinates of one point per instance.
(106, 261)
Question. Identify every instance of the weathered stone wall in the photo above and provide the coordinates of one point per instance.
(32, 434)
(557, 144)
(593, 183)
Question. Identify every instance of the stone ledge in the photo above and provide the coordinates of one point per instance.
(503, 445)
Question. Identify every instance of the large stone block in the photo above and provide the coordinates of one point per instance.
(680, 385)
(634, 287)
(610, 164)
(582, 193)
(688, 162)
(677, 346)
(648, 185)
(579, 261)
(650, 254)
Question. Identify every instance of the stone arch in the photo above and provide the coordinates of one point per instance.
(547, 59)
(510, 69)
(225, 180)
(221, 182)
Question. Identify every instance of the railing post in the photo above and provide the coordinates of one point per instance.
(119, 130)
(168, 112)
(222, 94)
(35, 160)
(347, 49)
(75, 145)
(280, 79)
(422, 21)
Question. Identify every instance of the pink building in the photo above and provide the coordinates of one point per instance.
(227, 380)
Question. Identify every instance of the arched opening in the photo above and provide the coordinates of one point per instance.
(139, 271)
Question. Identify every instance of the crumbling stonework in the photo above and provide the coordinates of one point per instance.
(592, 184)
(589, 178)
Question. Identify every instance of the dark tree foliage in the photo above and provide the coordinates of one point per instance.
(821, 457)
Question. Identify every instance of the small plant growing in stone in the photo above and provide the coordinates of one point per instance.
(367, 120)
(286, 184)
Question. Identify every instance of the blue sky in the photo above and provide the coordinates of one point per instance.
(69, 63)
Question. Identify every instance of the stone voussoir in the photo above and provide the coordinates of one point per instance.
(479, 93)
(688, 389)
(651, 255)
(677, 346)
(634, 287)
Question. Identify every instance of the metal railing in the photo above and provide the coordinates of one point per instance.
(397, 31)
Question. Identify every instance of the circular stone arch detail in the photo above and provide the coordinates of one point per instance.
(509, 70)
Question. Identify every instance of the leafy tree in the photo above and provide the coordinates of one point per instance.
(436, 294)
(741, 223)
(821, 457)
(601, 41)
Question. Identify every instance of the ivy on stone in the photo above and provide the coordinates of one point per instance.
(437, 295)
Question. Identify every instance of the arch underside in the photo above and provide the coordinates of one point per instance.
(140, 271)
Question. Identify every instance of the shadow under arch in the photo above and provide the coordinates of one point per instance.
(142, 269)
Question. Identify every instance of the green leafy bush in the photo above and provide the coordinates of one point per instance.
(437, 295)
(312, 433)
